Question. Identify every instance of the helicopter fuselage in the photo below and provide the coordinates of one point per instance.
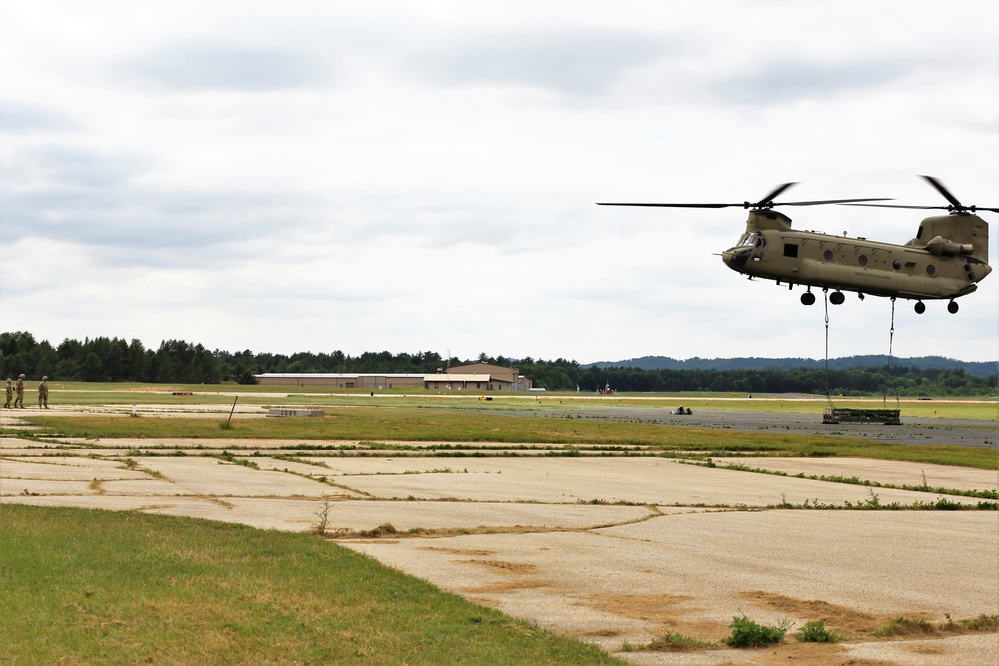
(925, 268)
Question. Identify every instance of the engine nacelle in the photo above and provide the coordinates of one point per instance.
(942, 247)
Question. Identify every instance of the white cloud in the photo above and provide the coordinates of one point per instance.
(293, 176)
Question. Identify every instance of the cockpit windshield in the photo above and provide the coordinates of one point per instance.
(747, 241)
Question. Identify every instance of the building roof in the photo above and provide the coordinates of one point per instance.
(337, 375)
(456, 378)
(439, 377)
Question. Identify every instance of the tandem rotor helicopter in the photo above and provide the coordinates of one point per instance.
(946, 259)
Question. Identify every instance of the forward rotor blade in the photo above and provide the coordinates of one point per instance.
(759, 204)
(769, 199)
(675, 205)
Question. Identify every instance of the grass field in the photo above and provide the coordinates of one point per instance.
(380, 423)
(96, 587)
(78, 393)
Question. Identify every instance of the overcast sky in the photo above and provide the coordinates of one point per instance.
(421, 176)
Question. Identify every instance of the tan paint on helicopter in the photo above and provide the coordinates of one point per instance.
(946, 259)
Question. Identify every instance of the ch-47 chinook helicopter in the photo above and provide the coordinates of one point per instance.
(946, 259)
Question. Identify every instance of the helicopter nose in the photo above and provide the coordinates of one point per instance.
(735, 258)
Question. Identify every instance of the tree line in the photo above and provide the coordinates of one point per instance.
(176, 361)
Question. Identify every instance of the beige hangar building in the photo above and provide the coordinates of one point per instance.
(475, 377)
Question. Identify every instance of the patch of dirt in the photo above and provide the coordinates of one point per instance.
(813, 654)
(599, 633)
(503, 586)
(499, 566)
(838, 619)
(649, 607)
(858, 626)
(468, 552)
(362, 541)
(442, 532)
(664, 610)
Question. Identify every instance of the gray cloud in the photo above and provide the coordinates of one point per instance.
(787, 80)
(578, 62)
(80, 196)
(19, 118)
(201, 66)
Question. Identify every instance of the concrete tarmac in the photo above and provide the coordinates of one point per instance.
(614, 550)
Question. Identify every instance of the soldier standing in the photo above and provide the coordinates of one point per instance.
(43, 393)
(10, 393)
(19, 389)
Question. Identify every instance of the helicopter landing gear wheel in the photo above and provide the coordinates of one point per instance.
(808, 298)
(920, 307)
(837, 298)
(952, 307)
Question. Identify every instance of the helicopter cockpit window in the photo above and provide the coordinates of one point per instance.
(790, 250)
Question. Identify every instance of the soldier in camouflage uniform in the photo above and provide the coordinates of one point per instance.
(43, 393)
(19, 389)
(10, 393)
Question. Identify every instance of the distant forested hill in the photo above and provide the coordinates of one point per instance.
(978, 369)
(115, 359)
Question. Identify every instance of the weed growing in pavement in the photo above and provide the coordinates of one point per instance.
(229, 457)
(673, 641)
(749, 634)
(856, 481)
(940, 504)
(982, 623)
(323, 514)
(904, 626)
(816, 632)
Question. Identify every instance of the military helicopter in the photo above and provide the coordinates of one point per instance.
(946, 259)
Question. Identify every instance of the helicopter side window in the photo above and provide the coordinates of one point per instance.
(790, 250)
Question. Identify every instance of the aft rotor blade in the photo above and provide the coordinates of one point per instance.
(956, 205)
(899, 206)
(969, 209)
(944, 191)
(831, 201)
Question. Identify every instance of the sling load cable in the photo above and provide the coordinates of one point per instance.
(825, 298)
(891, 373)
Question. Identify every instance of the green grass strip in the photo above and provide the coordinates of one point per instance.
(427, 425)
(88, 586)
